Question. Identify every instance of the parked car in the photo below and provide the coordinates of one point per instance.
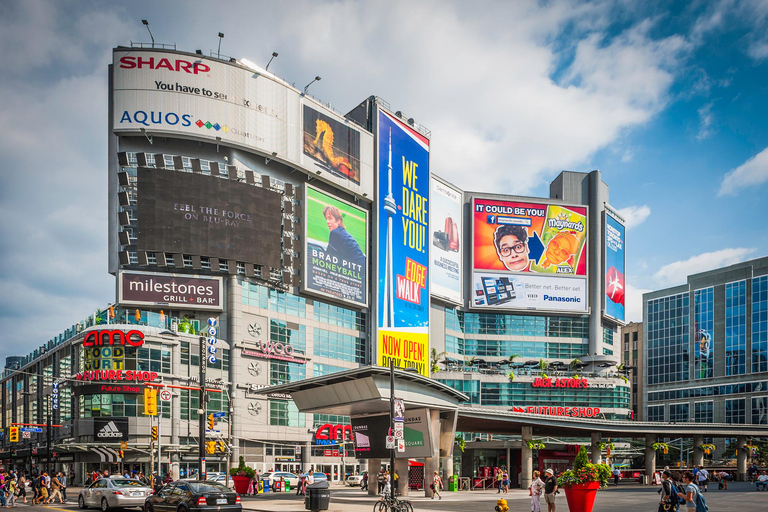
(285, 475)
(189, 496)
(354, 480)
(107, 493)
(222, 479)
(319, 477)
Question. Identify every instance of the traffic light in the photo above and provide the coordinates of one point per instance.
(211, 422)
(222, 446)
(154, 433)
(210, 447)
(14, 434)
(120, 453)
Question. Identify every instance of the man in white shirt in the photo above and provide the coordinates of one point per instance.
(702, 476)
(310, 477)
(762, 481)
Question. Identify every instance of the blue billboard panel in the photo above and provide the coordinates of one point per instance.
(614, 268)
(403, 245)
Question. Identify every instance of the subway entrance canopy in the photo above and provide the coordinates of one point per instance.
(365, 392)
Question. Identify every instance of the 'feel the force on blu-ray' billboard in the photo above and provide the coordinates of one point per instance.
(403, 204)
(174, 93)
(335, 258)
(614, 267)
(447, 240)
(530, 256)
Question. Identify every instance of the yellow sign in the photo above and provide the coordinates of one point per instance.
(406, 349)
(150, 402)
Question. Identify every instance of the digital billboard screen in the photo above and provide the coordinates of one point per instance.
(196, 214)
(447, 240)
(614, 267)
(403, 246)
(335, 258)
(369, 435)
(529, 256)
(331, 145)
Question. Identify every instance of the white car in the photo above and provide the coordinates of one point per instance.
(107, 493)
(277, 475)
(354, 480)
(222, 479)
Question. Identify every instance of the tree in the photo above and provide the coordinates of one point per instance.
(435, 358)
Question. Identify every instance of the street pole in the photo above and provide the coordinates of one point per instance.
(152, 452)
(392, 424)
(201, 410)
(48, 437)
(159, 443)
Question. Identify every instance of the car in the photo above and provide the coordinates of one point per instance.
(108, 493)
(319, 477)
(193, 496)
(354, 480)
(222, 479)
(275, 476)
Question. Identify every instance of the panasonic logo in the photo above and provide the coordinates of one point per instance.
(561, 299)
(109, 430)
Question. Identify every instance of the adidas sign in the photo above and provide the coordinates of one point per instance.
(109, 430)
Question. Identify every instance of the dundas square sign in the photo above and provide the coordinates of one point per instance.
(170, 290)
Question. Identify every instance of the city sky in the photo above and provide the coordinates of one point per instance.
(667, 99)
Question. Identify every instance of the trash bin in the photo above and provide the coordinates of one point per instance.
(453, 483)
(287, 486)
(318, 496)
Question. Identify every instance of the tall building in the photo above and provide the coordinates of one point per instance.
(706, 348)
(632, 359)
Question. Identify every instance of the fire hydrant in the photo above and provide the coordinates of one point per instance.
(501, 506)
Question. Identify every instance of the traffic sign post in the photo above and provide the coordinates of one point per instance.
(390, 442)
(219, 414)
(165, 395)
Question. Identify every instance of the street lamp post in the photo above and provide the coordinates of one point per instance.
(48, 436)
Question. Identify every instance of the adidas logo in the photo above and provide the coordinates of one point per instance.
(109, 430)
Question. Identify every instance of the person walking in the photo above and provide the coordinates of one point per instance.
(669, 499)
(12, 492)
(437, 483)
(616, 476)
(550, 488)
(364, 485)
(22, 485)
(724, 476)
(63, 482)
(702, 476)
(691, 491)
(505, 482)
(499, 478)
(534, 491)
(55, 490)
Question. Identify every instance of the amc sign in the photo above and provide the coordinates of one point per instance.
(99, 337)
(332, 434)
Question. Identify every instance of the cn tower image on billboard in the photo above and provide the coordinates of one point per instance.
(391, 208)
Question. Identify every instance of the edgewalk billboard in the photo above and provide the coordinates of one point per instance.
(447, 240)
(174, 93)
(614, 267)
(335, 256)
(403, 247)
(529, 256)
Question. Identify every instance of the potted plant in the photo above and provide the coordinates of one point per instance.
(435, 359)
(242, 476)
(582, 482)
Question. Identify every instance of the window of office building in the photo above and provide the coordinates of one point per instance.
(284, 413)
(283, 372)
(736, 328)
(703, 333)
(736, 410)
(318, 369)
(668, 342)
(655, 413)
(760, 324)
(678, 412)
(336, 345)
(117, 404)
(333, 419)
(338, 316)
(288, 333)
(516, 325)
(608, 335)
(523, 394)
(471, 388)
(274, 300)
(703, 412)
(760, 410)
(505, 348)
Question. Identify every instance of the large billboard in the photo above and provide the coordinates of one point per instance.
(403, 245)
(530, 256)
(204, 98)
(447, 240)
(614, 267)
(336, 251)
(369, 434)
(170, 290)
(202, 215)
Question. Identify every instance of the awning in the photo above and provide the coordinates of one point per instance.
(106, 454)
(412, 462)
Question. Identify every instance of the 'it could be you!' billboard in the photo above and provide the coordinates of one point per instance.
(335, 259)
(403, 245)
(614, 267)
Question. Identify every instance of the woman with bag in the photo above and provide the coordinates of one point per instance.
(22, 485)
(693, 499)
(534, 491)
(669, 498)
(437, 483)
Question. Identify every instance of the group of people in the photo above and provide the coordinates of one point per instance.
(502, 481)
(547, 487)
(678, 489)
(45, 488)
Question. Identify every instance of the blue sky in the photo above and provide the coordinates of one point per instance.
(667, 99)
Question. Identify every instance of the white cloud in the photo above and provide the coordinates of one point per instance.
(752, 172)
(634, 215)
(706, 118)
(633, 299)
(677, 272)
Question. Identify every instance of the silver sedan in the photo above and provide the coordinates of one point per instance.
(107, 493)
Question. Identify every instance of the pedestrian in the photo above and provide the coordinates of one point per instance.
(55, 490)
(669, 499)
(534, 491)
(723, 484)
(752, 472)
(63, 482)
(692, 491)
(702, 476)
(505, 481)
(499, 478)
(364, 485)
(437, 483)
(616, 476)
(397, 481)
(762, 481)
(550, 488)
(12, 492)
(22, 485)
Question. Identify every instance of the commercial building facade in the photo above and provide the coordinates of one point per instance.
(632, 359)
(315, 243)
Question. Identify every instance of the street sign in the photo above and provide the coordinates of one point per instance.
(399, 426)
(31, 429)
(390, 442)
(219, 414)
(165, 395)
(401, 445)
(207, 431)
(399, 434)
(26, 435)
(399, 410)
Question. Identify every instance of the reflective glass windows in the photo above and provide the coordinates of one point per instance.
(703, 333)
(736, 410)
(668, 341)
(703, 412)
(760, 324)
(678, 412)
(736, 328)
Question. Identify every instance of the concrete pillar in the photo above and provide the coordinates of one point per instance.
(374, 466)
(741, 459)
(650, 457)
(509, 463)
(526, 459)
(447, 463)
(595, 263)
(431, 464)
(698, 453)
(595, 447)
(401, 466)
(306, 456)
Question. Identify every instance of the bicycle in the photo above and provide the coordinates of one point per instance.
(392, 504)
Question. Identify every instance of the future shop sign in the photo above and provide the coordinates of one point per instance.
(171, 290)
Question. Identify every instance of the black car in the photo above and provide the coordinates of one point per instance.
(192, 496)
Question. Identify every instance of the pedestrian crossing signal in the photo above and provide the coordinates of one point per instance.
(211, 422)
(120, 454)
(222, 446)
(210, 447)
(14, 434)
(154, 433)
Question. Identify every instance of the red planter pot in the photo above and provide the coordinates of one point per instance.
(581, 497)
(241, 484)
